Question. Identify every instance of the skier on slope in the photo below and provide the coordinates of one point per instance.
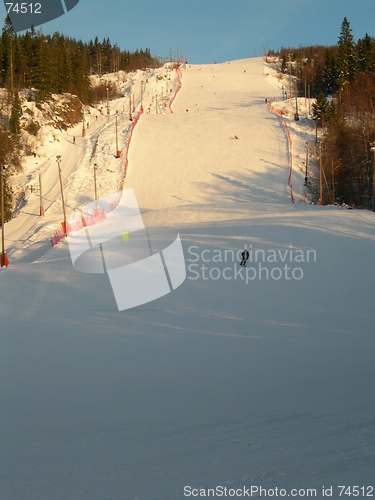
(245, 256)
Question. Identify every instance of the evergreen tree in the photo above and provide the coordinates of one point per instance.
(107, 48)
(347, 54)
(284, 67)
(320, 109)
(98, 56)
(81, 70)
(366, 54)
(19, 64)
(7, 59)
(47, 66)
(329, 76)
(26, 49)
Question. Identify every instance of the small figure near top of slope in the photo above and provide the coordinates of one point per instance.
(245, 256)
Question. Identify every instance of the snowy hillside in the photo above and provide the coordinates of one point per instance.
(240, 378)
(28, 235)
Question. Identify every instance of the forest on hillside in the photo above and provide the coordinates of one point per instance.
(45, 65)
(57, 64)
(342, 79)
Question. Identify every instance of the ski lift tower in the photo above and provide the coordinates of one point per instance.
(4, 258)
(83, 123)
(372, 149)
(296, 115)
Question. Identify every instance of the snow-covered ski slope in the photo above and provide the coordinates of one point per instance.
(227, 381)
(196, 156)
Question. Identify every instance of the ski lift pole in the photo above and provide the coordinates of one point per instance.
(83, 124)
(320, 174)
(372, 149)
(117, 155)
(296, 116)
(41, 212)
(96, 194)
(141, 96)
(58, 159)
(2, 216)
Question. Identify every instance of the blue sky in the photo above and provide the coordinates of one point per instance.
(214, 30)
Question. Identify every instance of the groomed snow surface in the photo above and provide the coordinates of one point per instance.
(227, 381)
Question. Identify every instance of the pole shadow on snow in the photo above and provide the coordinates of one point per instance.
(238, 187)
